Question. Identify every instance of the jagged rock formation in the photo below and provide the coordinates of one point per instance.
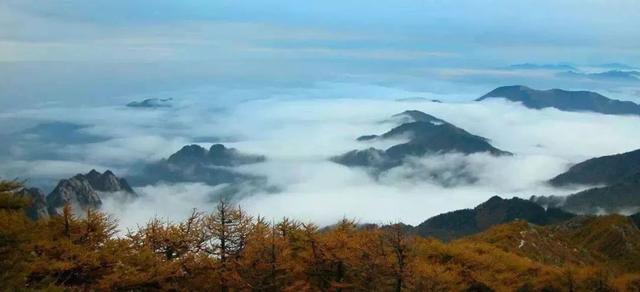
(108, 182)
(573, 101)
(495, 211)
(426, 134)
(75, 191)
(82, 191)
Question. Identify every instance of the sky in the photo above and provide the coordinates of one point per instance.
(298, 82)
(82, 52)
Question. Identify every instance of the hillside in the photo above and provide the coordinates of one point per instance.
(619, 177)
(603, 170)
(83, 253)
(584, 240)
(623, 196)
(495, 211)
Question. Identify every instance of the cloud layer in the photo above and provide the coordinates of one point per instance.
(298, 129)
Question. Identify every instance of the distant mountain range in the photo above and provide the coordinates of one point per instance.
(573, 101)
(426, 134)
(615, 72)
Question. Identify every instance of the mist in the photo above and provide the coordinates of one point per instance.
(299, 129)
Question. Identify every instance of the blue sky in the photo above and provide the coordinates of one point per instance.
(89, 51)
(299, 80)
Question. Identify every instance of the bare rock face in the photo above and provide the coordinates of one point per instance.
(38, 208)
(108, 182)
(83, 191)
(75, 191)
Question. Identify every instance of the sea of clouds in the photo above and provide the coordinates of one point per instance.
(298, 129)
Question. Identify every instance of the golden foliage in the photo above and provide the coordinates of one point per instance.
(228, 250)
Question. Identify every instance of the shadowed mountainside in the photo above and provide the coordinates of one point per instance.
(496, 210)
(426, 134)
(573, 101)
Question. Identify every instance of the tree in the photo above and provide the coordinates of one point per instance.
(400, 245)
(15, 234)
(226, 231)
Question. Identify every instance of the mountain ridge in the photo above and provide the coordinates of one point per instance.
(565, 100)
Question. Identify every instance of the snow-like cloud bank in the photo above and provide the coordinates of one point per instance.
(298, 129)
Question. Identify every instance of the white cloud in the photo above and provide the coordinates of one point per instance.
(298, 129)
(167, 202)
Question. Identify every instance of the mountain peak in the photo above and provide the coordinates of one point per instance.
(426, 134)
(81, 190)
(189, 154)
(409, 116)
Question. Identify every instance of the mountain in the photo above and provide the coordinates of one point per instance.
(436, 137)
(410, 116)
(370, 157)
(193, 163)
(601, 170)
(82, 191)
(573, 101)
(495, 211)
(75, 191)
(217, 155)
(584, 240)
(38, 208)
(426, 134)
(151, 103)
(620, 197)
(108, 182)
(619, 191)
(406, 117)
